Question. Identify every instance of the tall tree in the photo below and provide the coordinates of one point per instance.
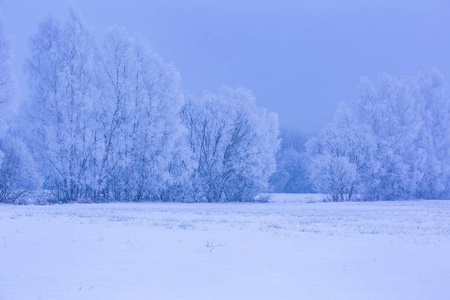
(61, 72)
(18, 176)
(142, 148)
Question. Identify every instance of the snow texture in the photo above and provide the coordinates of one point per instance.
(276, 250)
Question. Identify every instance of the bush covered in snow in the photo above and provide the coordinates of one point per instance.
(18, 174)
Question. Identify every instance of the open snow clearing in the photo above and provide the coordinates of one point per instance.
(275, 250)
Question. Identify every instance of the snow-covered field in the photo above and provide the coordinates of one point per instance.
(275, 250)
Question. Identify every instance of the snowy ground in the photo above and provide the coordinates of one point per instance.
(275, 250)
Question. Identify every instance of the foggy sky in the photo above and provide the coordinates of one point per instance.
(300, 58)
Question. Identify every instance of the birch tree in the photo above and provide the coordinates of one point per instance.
(61, 72)
(143, 154)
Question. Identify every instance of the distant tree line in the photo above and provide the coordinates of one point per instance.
(292, 174)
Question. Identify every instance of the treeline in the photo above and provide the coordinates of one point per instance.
(391, 143)
(110, 121)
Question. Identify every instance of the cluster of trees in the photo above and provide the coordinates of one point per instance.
(233, 142)
(111, 122)
(393, 143)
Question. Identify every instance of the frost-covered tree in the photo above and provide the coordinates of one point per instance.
(408, 117)
(106, 123)
(396, 138)
(340, 156)
(234, 144)
(431, 160)
(388, 107)
(61, 73)
(18, 175)
(335, 176)
(141, 153)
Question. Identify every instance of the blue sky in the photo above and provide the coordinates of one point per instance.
(300, 58)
